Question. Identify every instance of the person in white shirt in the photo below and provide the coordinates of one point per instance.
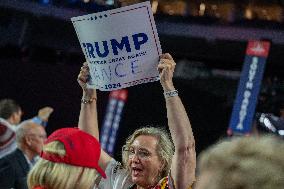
(150, 161)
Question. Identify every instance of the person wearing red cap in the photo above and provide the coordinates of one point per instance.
(150, 160)
(70, 159)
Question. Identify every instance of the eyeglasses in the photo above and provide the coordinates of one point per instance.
(139, 152)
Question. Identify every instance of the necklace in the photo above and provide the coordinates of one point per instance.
(162, 185)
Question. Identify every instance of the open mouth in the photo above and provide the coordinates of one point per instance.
(136, 171)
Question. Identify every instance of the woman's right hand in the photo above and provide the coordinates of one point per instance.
(82, 79)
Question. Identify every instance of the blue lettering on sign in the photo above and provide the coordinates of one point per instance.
(134, 67)
(110, 72)
(89, 50)
(116, 71)
(103, 74)
(96, 74)
(116, 45)
(138, 43)
(106, 51)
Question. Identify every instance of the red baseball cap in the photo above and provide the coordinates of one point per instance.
(82, 149)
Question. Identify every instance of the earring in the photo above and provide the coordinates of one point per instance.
(160, 174)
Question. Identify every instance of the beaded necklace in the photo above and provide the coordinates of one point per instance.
(163, 184)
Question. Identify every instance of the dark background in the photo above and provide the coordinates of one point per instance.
(38, 84)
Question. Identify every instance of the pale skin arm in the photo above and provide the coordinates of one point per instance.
(44, 113)
(88, 119)
(184, 159)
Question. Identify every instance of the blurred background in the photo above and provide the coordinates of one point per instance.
(40, 57)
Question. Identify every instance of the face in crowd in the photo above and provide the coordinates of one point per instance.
(17, 117)
(144, 163)
(36, 139)
(30, 137)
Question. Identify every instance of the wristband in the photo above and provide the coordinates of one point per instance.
(39, 121)
(88, 101)
(172, 93)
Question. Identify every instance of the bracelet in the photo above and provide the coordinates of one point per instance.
(88, 101)
(172, 93)
(39, 121)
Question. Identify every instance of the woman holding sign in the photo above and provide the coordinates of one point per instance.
(150, 160)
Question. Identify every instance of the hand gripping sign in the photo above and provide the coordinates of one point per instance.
(121, 46)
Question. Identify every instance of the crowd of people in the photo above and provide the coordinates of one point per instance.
(152, 157)
(20, 142)
(10, 117)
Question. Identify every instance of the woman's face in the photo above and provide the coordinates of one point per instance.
(144, 162)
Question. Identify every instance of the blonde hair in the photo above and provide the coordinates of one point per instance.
(246, 163)
(165, 147)
(51, 175)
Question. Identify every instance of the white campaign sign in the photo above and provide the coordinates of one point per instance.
(121, 46)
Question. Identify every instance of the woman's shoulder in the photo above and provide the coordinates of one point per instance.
(166, 183)
(117, 177)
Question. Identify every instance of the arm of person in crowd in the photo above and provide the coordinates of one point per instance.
(43, 116)
(88, 119)
(184, 160)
